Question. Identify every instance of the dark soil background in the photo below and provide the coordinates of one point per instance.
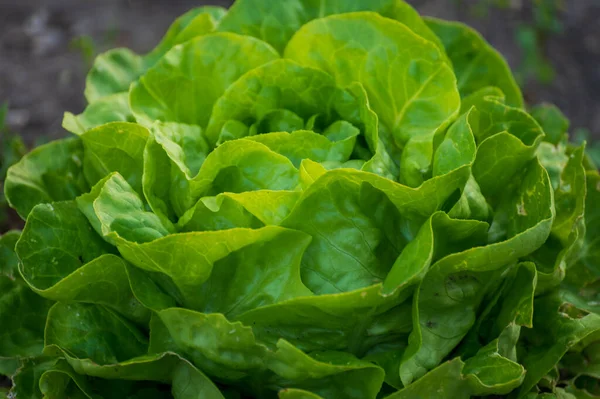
(42, 71)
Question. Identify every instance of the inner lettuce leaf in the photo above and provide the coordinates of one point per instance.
(310, 199)
(413, 103)
(208, 64)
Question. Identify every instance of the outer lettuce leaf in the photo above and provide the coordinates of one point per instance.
(63, 259)
(93, 331)
(585, 273)
(196, 22)
(98, 343)
(328, 374)
(454, 287)
(563, 248)
(559, 325)
(508, 309)
(291, 393)
(51, 172)
(221, 281)
(102, 281)
(112, 73)
(454, 379)
(116, 69)
(358, 319)
(351, 321)
(276, 23)
(223, 349)
(230, 352)
(416, 101)
(552, 120)
(58, 379)
(475, 63)
(22, 312)
(57, 240)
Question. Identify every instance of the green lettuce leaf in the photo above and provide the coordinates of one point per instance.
(561, 250)
(304, 199)
(475, 63)
(114, 70)
(171, 189)
(22, 312)
(112, 108)
(51, 172)
(354, 245)
(552, 120)
(563, 326)
(454, 287)
(231, 352)
(62, 259)
(115, 147)
(186, 82)
(276, 23)
(112, 73)
(413, 104)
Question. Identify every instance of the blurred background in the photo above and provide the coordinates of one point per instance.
(47, 46)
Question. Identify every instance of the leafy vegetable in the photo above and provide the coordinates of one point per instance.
(304, 199)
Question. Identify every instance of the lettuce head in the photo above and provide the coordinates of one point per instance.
(304, 199)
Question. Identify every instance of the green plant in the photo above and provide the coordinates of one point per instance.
(531, 36)
(89, 48)
(335, 199)
(532, 39)
(86, 46)
(12, 149)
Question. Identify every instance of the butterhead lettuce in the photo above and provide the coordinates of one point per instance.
(304, 199)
